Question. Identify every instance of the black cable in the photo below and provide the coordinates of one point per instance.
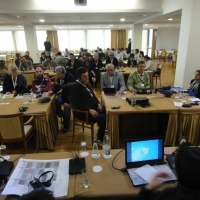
(18, 157)
(123, 169)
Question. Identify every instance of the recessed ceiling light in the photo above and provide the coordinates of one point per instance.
(146, 24)
(55, 26)
(18, 16)
(170, 19)
(122, 19)
(42, 20)
(111, 25)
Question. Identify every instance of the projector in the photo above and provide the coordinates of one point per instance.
(80, 2)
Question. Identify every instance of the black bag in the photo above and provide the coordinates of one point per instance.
(142, 101)
(44, 99)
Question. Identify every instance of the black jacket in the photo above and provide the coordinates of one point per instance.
(129, 47)
(198, 94)
(63, 84)
(28, 58)
(75, 66)
(82, 99)
(134, 63)
(102, 55)
(8, 84)
(47, 46)
(95, 66)
(115, 61)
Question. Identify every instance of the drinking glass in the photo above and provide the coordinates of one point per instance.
(86, 177)
(153, 93)
(106, 151)
(1, 96)
(148, 93)
(83, 151)
(119, 94)
(93, 79)
(3, 151)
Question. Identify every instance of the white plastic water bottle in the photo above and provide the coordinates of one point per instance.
(106, 146)
(183, 140)
(95, 149)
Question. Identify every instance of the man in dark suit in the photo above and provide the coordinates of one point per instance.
(83, 98)
(73, 64)
(129, 46)
(94, 67)
(47, 46)
(64, 79)
(111, 59)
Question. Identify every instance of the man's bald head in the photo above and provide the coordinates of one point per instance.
(110, 68)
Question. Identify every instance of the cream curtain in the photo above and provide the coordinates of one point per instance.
(154, 43)
(53, 38)
(118, 38)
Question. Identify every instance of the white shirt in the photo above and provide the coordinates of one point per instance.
(119, 56)
(150, 65)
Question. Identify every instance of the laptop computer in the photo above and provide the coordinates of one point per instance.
(139, 152)
(109, 90)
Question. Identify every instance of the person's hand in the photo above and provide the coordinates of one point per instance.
(100, 108)
(38, 90)
(65, 105)
(157, 180)
(14, 92)
(50, 93)
(7, 92)
(67, 67)
(94, 74)
(103, 68)
(134, 91)
(94, 113)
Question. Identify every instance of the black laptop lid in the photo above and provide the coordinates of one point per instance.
(109, 90)
(139, 152)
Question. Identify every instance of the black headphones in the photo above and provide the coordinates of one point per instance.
(63, 70)
(48, 182)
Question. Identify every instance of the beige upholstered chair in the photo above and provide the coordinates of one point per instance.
(29, 77)
(13, 129)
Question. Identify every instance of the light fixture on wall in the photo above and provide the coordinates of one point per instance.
(122, 19)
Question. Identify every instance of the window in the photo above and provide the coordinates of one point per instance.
(144, 41)
(101, 38)
(41, 38)
(6, 41)
(129, 35)
(72, 39)
(20, 41)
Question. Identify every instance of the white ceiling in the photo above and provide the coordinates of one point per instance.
(63, 14)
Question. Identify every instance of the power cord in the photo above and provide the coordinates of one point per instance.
(19, 157)
(122, 169)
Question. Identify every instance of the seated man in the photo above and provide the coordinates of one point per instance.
(49, 63)
(94, 73)
(67, 53)
(25, 65)
(119, 54)
(113, 79)
(187, 165)
(195, 84)
(64, 78)
(14, 82)
(83, 98)
(101, 54)
(61, 60)
(28, 57)
(17, 59)
(73, 64)
(85, 62)
(131, 61)
(111, 59)
(41, 83)
(138, 79)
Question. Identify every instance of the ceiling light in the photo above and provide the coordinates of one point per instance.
(55, 26)
(144, 15)
(170, 19)
(19, 27)
(107, 27)
(42, 20)
(111, 25)
(122, 19)
(146, 24)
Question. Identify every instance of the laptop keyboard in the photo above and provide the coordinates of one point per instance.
(137, 180)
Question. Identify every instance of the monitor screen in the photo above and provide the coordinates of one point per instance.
(144, 150)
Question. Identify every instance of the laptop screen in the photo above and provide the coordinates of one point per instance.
(144, 151)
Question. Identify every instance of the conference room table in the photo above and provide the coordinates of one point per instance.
(106, 184)
(161, 117)
(2, 57)
(45, 118)
(126, 71)
(188, 120)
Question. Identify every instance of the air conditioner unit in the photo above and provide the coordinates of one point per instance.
(80, 2)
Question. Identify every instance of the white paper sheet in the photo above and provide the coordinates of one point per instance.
(178, 104)
(19, 97)
(146, 172)
(194, 99)
(18, 183)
